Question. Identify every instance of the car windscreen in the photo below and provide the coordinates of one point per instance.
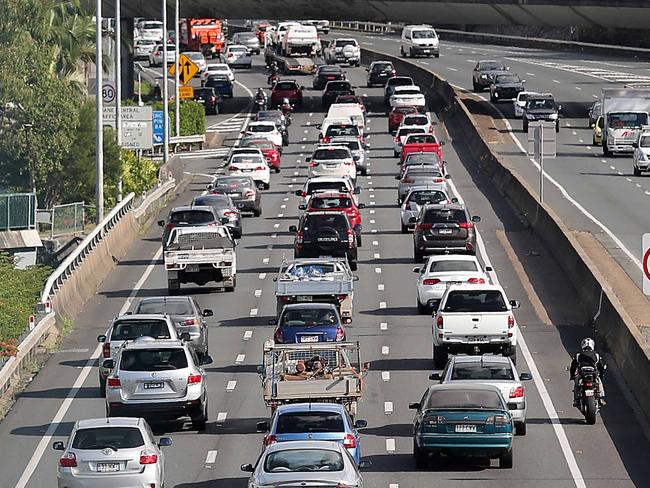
(404, 110)
(379, 67)
(320, 154)
(427, 197)
(146, 42)
(195, 56)
(483, 370)
(97, 438)
(475, 301)
(330, 70)
(466, 398)
(261, 128)
(152, 25)
(127, 330)
(309, 422)
(449, 265)
(627, 120)
(172, 307)
(445, 216)
(191, 217)
(338, 86)
(309, 317)
(216, 201)
(303, 460)
(508, 79)
(285, 85)
(164, 359)
(323, 203)
(342, 130)
(423, 34)
(644, 141)
(540, 104)
(491, 66)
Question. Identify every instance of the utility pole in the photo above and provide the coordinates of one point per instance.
(118, 87)
(99, 123)
(165, 88)
(177, 101)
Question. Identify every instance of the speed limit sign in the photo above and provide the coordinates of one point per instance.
(108, 92)
(645, 255)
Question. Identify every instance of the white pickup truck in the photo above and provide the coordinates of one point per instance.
(474, 319)
(200, 255)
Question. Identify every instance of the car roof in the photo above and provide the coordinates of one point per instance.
(473, 287)
(109, 422)
(166, 299)
(330, 194)
(262, 122)
(141, 316)
(310, 444)
(491, 358)
(310, 407)
(187, 208)
(237, 46)
(151, 343)
(464, 386)
(400, 88)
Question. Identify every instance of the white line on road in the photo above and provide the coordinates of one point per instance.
(375, 243)
(376, 256)
(378, 270)
(382, 304)
(530, 74)
(211, 457)
(385, 350)
(276, 226)
(390, 443)
(373, 231)
(265, 261)
(240, 358)
(258, 293)
(221, 417)
(383, 326)
(247, 335)
(451, 69)
(261, 276)
(388, 408)
(385, 375)
(380, 287)
(253, 312)
(372, 211)
(231, 385)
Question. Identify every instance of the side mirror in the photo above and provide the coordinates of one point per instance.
(447, 177)
(161, 223)
(209, 187)
(414, 406)
(185, 336)
(514, 304)
(434, 376)
(263, 426)
(165, 442)
(412, 220)
(273, 322)
(476, 219)
(397, 177)
(368, 69)
(454, 200)
(525, 376)
(366, 366)
(357, 190)
(58, 446)
(108, 364)
(360, 424)
(361, 206)
(523, 81)
(355, 278)
(206, 359)
(507, 68)
(489, 268)
(101, 338)
(293, 228)
(442, 143)
(298, 193)
(260, 370)
(365, 464)
(307, 160)
(207, 313)
(247, 467)
(358, 228)
(559, 108)
(302, 206)
(416, 270)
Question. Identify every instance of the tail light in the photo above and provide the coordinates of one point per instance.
(169, 226)
(517, 392)
(285, 298)
(300, 237)
(278, 336)
(498, 420)
(106, 350)
(407, 180)
(349, 442)
(423, 226)
(259, 168)
(434, 420)
(339, 334)
(113, 383)
(213, 99)
(393, 73)
(68, 460)
(589, 384)
(326, 139)
(396, 139)
(233, 168)
(189, 322)
(270, 439)
(348, 163)
(475, 281)
(230, 212)
(408, 206)
(440, 322)
(193, 379)
(511, 321)
(341, 297)
(431, 281)
(465, 225)
(312, 164)
(439, 180)
(351, 238)
(148, 456)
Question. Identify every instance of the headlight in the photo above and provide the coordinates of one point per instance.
(553, 117)
(530, 117)
(484, 76)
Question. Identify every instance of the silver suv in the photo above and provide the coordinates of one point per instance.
(111, 452)
(158, 379)
(128, 327)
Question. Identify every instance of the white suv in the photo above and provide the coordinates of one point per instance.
(332, 161)
(642, 151)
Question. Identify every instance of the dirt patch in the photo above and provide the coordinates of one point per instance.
(493, 131)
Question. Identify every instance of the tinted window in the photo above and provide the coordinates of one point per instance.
(286, 85)
(408, 92)
(400, 81)
(261, 128)
(246, 159)
(309, 318)
(338, 85)
(153, 359)
(303, 460)
(234, 182)
(261, 143)
(449, 265)
(445, 216)
(421, 139)
(125, 330)
(379, 67)
(172, 307)
(191, 217)
(475, 301)
(352, 145)
(410, 130)
(101, 437)
(404, 110)
(423, 34)
(217, 201)
(428, 196)
(644, 141)
(345, 42)
(342, 130)
(421, 158)
(464, 398)
(330, 69)
(491, 66)
(331, 154)
(508, 79)
(203, 92)
(333, 202)
(325, 185)
(416, 120)
(300, 422)
(540, 103)
(238, 50)
(482, 371)
(316, 222)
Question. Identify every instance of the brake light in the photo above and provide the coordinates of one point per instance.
(278, 336)
(193, 379)
(190, 322)
(326, 139)
(213, 99)
(113, 383)
(351, 238)
(68, 460)
(233, 168)
(440, 322)
(589, 384)
(270, 439)
(434, 420)
(407, 180)
(423, 226)
(148, 456)
(259, 168)
(230, 212)
(339, 334)
(341, 297)
(499, 420)
(397, 139)
(511, 321)
(106, 350)
(517, 392)
(439, 180)
(465, 225)
(300, 236)
(431, 281)
(475, 281)
(349, 442)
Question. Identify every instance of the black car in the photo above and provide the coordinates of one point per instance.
(443, 228)
(188, 216)
(541, 106)
(209, 98)
(333, 89)
(326, 73)
(325, 234)
(506, 87)
(221, 83)
(379, 72)
(484, 73)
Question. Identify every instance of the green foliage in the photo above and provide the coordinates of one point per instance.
(137, 176)
(192, 117)
(18, 294)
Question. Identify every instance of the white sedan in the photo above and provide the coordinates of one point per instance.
(265, 130)
(519, 103)
(407, 96)
(217, 69)
(252, 165)
(421, 120)
(238, 55)
(440, 270)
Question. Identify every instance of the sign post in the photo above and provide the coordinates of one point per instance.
(541, 145)
(645, 262)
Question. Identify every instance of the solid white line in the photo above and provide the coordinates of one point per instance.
(231, 385)
(83, 374)
(211, 457)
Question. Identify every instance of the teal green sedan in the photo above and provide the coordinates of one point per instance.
(462, 420)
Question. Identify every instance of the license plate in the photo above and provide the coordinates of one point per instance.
(153, 386)
(327, 239)
(475, 339)
(465, 428)
(308, 338)
(232, 195)
(108, 467)
(426, 51)
(589, 392)
(444, 231)
(304, 298)
(192, 268)
(247, 170)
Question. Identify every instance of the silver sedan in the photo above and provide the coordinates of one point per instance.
(305, 463)
(415, 176)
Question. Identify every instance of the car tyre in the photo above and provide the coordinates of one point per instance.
(421, 457)
(606, 152)
(440, 356)
(637, 171)
(199, 423)
(102, 387)
(422, 309)
(525, 124)
(505, 460)
(520, 428)
(417, 255)
(405, 229)
(257, 212)
(173, 286)
(401, 52)
(354, 265)
(474, 87)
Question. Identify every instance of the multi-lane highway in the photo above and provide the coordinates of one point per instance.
(559, 450)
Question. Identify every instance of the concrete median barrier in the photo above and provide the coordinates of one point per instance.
(603, 308)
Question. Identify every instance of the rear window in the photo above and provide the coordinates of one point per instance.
(191, 217)
(449, 265)
(172, 307)
(303, 460)
(203, 92)
(234, 182)
(126, 330)
(261, 128)
(342, 130)
(338, 86)
(404, 110)
(408, 92)
(213, 200)
(286, 85)
(400, 81)
(404, 131)
(325, 185)
(302, 422)
(491, 66)
(351, 145)
(428, 197)
(331, 154)
(247, 159)
(261, 143)
(237, 49)
(464, 399)
(378, 67)
(422, 158)
(167, 359)
(309, 317)
(421, 139)
(445, 216)
(475, 301)
(346, 42)
(482, 371)
(416, 120)
(218, 81)
(102, 437)
(317, 222)
(330, 70)
(334, 202)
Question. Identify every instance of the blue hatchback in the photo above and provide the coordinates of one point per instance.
(314, 421)
(307, 323)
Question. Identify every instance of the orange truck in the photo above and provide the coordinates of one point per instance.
(204, 35)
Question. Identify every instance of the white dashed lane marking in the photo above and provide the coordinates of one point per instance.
(261, 276)
(385, 375)
(253, 312)
(382, 304)
(383, 326)
(388, 408)
(221, 417)
(211, 457)
(258, 293)
(380, 287)
(247, 335)
(232, 384)
(240, 358)
(385, 350)
(390, 445)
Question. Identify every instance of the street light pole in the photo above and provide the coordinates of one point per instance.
(118, 87)
(177, 101)
(165, 88)
(99, 123)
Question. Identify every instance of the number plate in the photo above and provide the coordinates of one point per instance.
(465, 428)
(192, 268)
(589, 392)
(304, 298)
(475, 339)
(153, 386)
(444, 231)
(308, 338)
(232, 195)
(108, 467)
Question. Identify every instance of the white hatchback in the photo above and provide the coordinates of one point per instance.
(217, 69)
(252, 165)
(407, 96)
(332, 161)
(238, 55)
(519, 103)
(265, 130)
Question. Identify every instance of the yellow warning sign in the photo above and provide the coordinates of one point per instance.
(187, 69)
(186, 92)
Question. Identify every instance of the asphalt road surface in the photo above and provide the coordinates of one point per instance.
(559, 451)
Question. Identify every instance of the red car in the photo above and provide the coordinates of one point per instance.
(270, 151)
(287, 89)
(419, 143)
(337, 202)
(396, 116)
(352, 99)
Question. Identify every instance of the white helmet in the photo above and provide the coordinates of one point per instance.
(587, 344)
(285, 101)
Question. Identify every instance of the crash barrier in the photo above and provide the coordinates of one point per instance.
(499, 39)
(614, 327)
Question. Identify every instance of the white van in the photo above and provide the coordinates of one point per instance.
(419, 40)
(347, 110)
(301, 40)
(278, 35)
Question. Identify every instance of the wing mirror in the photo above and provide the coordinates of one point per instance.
(397, 177)
(223, 220)
(357, 190)
(108, 364)
(414, 405)
(489, 268)
(185, 336)
(302, 206)
(361, 206)
(454, 200)
(206, 359)
(365, 464)
(263, 426)
(247, 467)
(514, 304)
(58, 446)
(412, 220)
(635, 145)
(525, 376)
(447, 176)
(161, 223)
(476, 219)
(298, 193)
(165, 442)
(416, 270)
(101, 338)
(360, 424)
(207, 313)
(434, 376)
(293, 228)
(441, 143)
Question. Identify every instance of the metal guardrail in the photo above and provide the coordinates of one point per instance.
(365, 26)
(153, 196)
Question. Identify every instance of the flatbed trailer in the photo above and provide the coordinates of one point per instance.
(287, 64)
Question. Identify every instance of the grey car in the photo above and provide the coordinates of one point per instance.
(185, 313)
(420, 175)
(242, 190)
(305, 463)
(226, 210)
(110, 452)
(162, 380)
(360, 151)
(248, 39)
(129, 327)
(484, 73)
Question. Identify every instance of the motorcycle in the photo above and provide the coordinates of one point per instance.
(589, 401)
(273, 79)
(261, 104)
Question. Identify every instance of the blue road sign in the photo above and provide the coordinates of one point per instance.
(158, 126)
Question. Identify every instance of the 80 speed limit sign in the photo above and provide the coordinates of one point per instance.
(108, 92)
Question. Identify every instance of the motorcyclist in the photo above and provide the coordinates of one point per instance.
(587, 356)
(260, 97)
(286, 108)
(273, 72)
